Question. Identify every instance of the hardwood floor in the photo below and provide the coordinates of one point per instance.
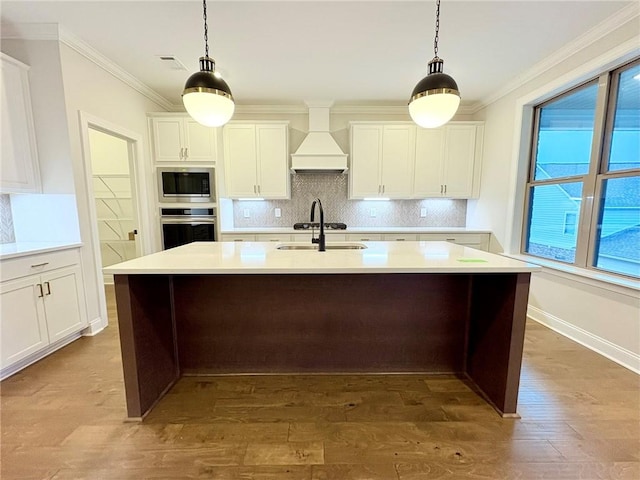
(63, 418)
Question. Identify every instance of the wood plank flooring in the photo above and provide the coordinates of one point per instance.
(64, 418)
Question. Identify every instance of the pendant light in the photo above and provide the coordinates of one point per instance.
(435, 99)
(206, 96)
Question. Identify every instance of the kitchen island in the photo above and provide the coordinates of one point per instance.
(252, 307)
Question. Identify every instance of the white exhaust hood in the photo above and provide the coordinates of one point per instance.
(319, 152)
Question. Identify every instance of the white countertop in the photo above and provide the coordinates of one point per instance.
(20, 249)
(263, 257)
(257, 230)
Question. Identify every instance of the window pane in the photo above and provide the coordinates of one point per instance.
(554, 214)
(619, 229)
(625, 139)
(565, 135)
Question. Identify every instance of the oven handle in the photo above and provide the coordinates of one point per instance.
(187, 221)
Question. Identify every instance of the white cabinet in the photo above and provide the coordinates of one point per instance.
(19, 172)
(231, 237)
(382, 158)
(448, 161)
(256, 160)
(399, 237)
(363, 237)
(179, 138)
(42, 303)
(473, 240)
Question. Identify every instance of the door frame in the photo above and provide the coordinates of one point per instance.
(139, 195)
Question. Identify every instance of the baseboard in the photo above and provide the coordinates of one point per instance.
(33, 358)
(95, 326)
(593, 342)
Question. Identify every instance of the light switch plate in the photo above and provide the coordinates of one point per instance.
(246, 213)
(423, 212)
(278, 213)
(373, 212)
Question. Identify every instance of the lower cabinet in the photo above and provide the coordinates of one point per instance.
(479, 241)
(39, 310)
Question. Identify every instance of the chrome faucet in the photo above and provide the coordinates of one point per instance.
(320, 240)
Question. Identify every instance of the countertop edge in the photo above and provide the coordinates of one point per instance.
(31, 248)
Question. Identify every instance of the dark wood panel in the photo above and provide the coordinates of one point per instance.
(150, 361)
(496, 336)
(321, 323)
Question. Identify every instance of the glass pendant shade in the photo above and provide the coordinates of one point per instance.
(207, 97)
(434, 100)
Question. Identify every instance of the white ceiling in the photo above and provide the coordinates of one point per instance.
(364, 52)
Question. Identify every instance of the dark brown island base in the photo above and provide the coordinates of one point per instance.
(466, 318)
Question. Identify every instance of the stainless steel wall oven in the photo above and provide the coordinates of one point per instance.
(185, 225)
(186, 184)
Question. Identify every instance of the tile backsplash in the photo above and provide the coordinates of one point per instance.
(7, 233)
(332, 189)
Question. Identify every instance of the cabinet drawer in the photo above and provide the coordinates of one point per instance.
(392, 237)
(475, 240)
(38, 263)
(363, 237)
(273, 237)
(238, 238)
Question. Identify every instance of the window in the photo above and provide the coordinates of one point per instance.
(583, 193)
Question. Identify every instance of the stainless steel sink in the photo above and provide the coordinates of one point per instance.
(329, 246)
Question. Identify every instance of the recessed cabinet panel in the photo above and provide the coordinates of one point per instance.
(200, 141)
(458, 160)
(18, 157)
(273, 161)
(398, 150)
(63, 311)
(366, 158)
(168, 139)
(240, 160)
(428, 164)
(24, 328)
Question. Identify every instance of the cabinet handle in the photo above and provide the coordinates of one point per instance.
(40, 288)
(400, 239)
(450, 239)
(445, 189)
(441, 189)
(39, 265)
(383, 189)
(181, 153)
(48, 288)
(254, 189)
(258, 188)
(186, 152)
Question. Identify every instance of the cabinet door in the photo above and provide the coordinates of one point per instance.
(459, 157)
(23, 330)
(168, 139)
(240, 161)
(366, 159)
(200, 142)
(273, 162)
(63, 304)
(398, 153)
(428, 163)
(18, 153)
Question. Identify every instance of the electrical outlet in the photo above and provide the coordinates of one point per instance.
(373, 212)
(246, 213)
(423, 212)
(278, 213)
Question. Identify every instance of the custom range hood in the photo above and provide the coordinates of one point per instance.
(318, 152)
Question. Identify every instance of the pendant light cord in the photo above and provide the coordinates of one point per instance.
(435, 40)
(206, 29)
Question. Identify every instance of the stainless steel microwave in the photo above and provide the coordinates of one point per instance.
(186, 184)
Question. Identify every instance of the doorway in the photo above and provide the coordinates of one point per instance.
(113, 190)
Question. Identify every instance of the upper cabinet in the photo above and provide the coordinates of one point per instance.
(382, 158)
(402, 161)
(256, 160)
(448, 161)
(19, 160)
(179, 138)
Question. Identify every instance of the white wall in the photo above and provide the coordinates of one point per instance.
(607, 320)
(94, 91)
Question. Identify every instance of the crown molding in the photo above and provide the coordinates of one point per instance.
(53, 31)
(605, 27)
(106, 64)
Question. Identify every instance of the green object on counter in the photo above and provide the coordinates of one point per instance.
(472, 260)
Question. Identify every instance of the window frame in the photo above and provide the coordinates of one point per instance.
(593, 181)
